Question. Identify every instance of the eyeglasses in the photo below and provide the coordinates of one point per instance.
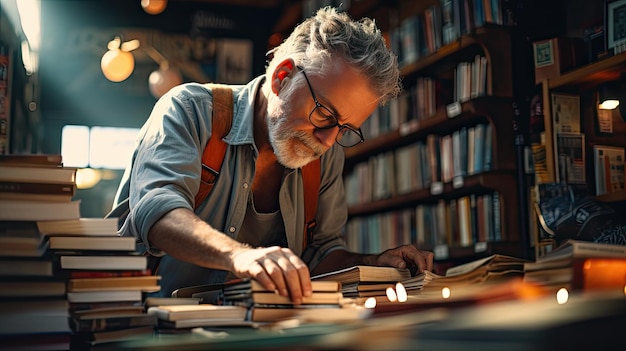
(323, 118)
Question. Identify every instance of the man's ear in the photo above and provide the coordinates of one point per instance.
(282, 71)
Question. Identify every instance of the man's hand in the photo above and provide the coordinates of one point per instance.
(407, 256)
(276, 268)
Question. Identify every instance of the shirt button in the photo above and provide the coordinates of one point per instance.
(245, 185)
(231, 229)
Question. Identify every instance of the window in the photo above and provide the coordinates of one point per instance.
(97, 147)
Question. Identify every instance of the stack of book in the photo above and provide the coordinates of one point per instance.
(363, 282)
(106, 280)
(580, 266)
(269, 306)
(37, 187)
(492, 269)
(33, 305)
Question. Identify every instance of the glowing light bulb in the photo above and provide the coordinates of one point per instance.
(117, 65)
(162, 80)
(154, 7)
(445, 292)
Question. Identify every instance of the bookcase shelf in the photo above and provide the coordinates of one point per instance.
(454, 198)
(583, 82)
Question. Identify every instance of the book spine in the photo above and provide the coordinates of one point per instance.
(36, 188)
(104, 324)
(109, 274)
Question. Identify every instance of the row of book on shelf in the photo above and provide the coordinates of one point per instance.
(423, 96)
(440, 24)
(459, 222)
(427, 164)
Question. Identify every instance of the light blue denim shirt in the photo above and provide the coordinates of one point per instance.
(164, 174)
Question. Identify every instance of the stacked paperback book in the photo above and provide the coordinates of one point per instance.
(65, 281)
(34, 309)
(106, 280)
(363, 282)
(492, 269)
(580, 266)
(37, 187)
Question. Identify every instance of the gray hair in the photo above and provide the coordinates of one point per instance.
(330, 35)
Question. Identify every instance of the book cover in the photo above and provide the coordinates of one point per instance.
(570, 148)
(565, 119)
(609, 169)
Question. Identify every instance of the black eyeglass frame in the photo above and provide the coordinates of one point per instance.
(328, 114)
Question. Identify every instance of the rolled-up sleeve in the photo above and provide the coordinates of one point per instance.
(166, 165)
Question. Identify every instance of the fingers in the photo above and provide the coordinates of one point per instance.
(280, 270)
(409, 256)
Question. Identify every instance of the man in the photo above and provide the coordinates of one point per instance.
(320, 85)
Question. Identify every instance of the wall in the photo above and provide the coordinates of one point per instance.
(73, 89)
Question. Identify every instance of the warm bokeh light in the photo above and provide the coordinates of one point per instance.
(117, 65)
(87, 178)
(162, 80)
(445, 293)
(391, 294)
(401, 292)
(370, 302)
(154, 7)
(562, 296)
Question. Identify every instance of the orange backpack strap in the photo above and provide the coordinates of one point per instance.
(311, 174)
(215, 149)
(214, 152)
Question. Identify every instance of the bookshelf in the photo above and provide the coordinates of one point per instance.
(397, 127)
(583, 83)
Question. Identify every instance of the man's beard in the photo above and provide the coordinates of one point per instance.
(293, 148)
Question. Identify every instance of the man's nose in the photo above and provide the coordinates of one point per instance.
(326, 136)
